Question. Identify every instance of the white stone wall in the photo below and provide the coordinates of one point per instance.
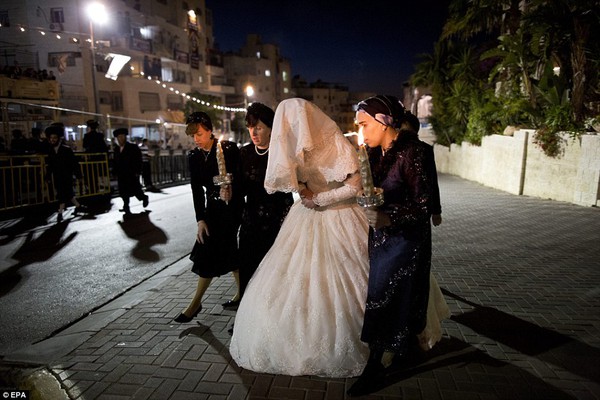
(516, 165)
(587, 186)
(552, 177)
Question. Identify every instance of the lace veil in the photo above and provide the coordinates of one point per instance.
(300, 127)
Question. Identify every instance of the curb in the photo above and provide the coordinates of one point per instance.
(39, 381)
(28, 368)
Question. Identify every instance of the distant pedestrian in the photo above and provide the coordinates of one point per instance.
(18, 143)
(39, 143)
(93, 140)
(128, 167)
(62, 167)
(96, 159)
(146, 165)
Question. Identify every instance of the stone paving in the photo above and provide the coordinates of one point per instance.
(521, 276)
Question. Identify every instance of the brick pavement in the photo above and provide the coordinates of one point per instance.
(521, 276)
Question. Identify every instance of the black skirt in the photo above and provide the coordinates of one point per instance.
(218, 255)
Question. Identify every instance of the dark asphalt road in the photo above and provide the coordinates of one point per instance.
(52, 274)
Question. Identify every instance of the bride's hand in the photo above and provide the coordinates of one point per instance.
(306, 197)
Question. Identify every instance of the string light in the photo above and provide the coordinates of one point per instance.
(76, 40)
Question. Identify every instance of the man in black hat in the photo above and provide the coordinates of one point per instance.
(62, 167)
(93, 141)
(127, 166)
(96, 164)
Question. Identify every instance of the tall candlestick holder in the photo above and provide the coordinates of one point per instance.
(224, 178)
(375, 199)
(221, 180)
(371, 196)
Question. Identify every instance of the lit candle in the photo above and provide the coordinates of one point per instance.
(221, 159)
(365, 168)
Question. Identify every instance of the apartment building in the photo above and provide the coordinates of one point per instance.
(165, 50)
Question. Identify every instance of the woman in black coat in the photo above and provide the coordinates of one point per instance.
(215, 251)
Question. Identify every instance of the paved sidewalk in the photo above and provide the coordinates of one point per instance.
(521, 276)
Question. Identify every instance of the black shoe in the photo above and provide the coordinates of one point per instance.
(145, 201)
(231, 304)
(371, 380)
(125, 210)
(80, 209)
(230, 330)
(182, 318)
(59, 217)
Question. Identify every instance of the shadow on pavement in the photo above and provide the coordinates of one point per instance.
(39, 249)
(139, 227)
(530, 339)
(465, 360)
(31, 220)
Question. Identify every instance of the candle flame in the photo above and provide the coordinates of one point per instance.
(361, 138)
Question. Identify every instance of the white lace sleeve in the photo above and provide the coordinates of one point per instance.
(352, 185)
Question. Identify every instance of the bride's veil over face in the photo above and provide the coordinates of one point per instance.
(300, 126)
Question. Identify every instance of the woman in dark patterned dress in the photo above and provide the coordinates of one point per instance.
(215, 251)
(399, 241)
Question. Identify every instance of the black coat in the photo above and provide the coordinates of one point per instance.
(127, 166)
(62, 167)
(218, 254)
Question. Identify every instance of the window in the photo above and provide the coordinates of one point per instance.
(117, 101)
(4, 21)
(174, 102)
(149, 101)
(62, 60)
(104, 97)
(57, 16)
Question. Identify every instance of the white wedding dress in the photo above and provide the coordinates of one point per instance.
(303, 309)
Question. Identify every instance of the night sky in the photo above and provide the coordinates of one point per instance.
(366, 45)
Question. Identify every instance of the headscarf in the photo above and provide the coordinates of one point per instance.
(300, 126)
(387, 110)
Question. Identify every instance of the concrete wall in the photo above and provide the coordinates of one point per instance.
(516, 165)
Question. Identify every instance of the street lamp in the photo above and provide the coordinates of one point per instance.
(96, 12)
(249, 90)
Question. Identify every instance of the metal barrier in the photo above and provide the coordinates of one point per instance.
(23, 178)
(169, 167)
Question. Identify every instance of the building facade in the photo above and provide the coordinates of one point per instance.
(165, 53)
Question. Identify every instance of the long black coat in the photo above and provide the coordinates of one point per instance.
(62, 167)
(218, 255)
(127, 165)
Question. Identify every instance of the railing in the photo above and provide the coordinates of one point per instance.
(23, 178)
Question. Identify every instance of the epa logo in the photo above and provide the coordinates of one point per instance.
(15, 394)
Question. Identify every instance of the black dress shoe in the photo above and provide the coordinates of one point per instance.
(182, 318)
(231, 304)
(230, 330)
(372, 380)
(145, 202)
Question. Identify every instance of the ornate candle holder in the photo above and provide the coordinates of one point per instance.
(221, 180)
(374, 199)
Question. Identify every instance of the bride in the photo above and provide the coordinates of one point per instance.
(303, 309)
